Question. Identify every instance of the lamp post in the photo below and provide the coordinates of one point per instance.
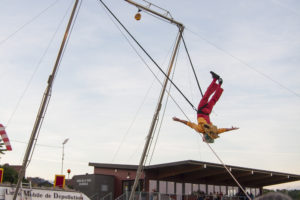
(69, 171)
(63, 153)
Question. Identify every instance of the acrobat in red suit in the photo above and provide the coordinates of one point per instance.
(204, 126)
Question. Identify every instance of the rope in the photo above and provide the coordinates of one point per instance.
(203, 136)
(143, 101)
(131, 124)
(192, 66)
(2, 74)
(247, 65)
(175, 87)
(36, 69)
(187, 52)
(71, 30)
(228, 170)
(143, 60)
(50, 92)
(160, 69)
(41, 145)
(164, 111)
(30, 21)
(39, 130)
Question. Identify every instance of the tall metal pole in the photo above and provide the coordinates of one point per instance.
(62, 160)
(44, 103)
(155, 117)
(158, 107)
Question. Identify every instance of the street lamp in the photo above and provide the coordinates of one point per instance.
(63, 153)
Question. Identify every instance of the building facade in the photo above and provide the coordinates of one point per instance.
(188, 177)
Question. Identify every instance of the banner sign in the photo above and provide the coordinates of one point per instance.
(41, 194)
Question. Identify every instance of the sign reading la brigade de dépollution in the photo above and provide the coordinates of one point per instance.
(41, 194)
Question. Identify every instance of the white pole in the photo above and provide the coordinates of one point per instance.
(63, 154)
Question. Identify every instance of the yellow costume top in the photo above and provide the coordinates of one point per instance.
(200, 127)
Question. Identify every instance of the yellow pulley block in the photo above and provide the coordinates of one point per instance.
(138, 16)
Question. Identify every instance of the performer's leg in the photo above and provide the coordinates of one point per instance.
(214, 98)
(210, 90)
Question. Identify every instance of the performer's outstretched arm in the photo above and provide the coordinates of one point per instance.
(196, 127)
(180, 120)
(222, 130)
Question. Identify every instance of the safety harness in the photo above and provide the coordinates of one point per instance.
(199, 111)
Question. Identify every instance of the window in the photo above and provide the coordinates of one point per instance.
(231, 191)
(188, 188)
(170, 188)
(179, 188)
(236, 190)
(257, 192)
(178, 191)
(223, 189)
(195, 187)
(152, 185)
(163, 187)
(104, 188)
(216, 189)
(210, 189)
(203, 188)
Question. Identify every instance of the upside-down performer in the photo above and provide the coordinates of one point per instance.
(204, 126)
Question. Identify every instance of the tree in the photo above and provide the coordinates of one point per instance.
(2, 150)
(295, 194)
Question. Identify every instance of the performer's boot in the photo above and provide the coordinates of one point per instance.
(220, 80)
(214, 75)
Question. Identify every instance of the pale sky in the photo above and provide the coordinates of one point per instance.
(104, 96)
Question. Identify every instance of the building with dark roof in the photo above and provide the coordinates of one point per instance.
(186, 177)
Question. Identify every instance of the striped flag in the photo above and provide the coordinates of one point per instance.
(5, 138)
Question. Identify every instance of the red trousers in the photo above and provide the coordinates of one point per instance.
(207, 104)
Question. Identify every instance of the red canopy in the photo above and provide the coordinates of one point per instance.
(5, 138)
